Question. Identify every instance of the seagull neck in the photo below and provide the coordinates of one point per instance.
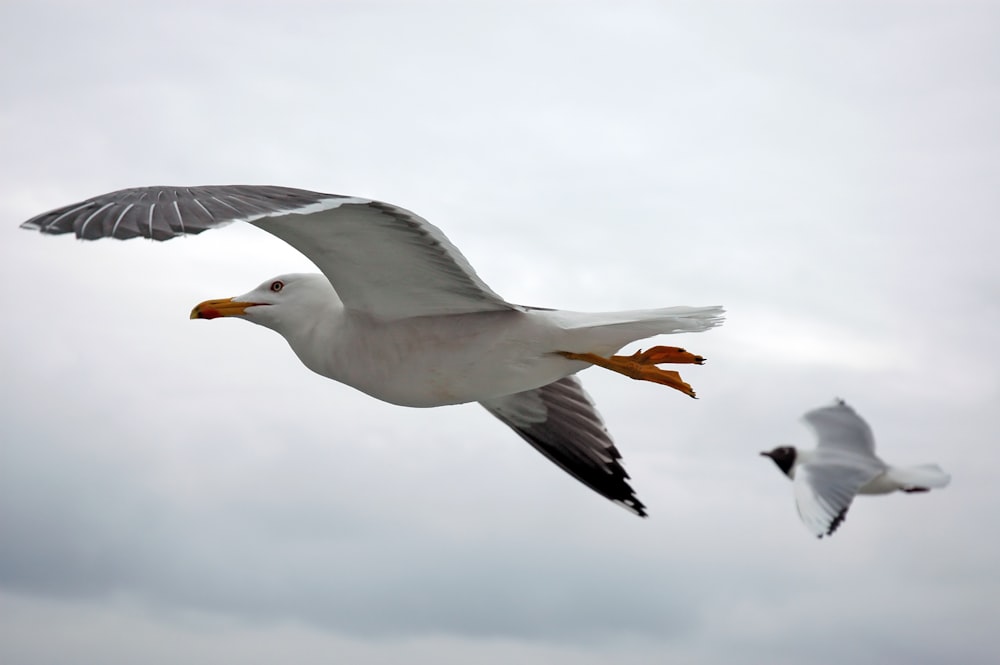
(312, 333)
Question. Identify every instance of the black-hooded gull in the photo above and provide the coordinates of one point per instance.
(843, 464)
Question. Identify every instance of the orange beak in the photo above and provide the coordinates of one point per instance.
(213, 309)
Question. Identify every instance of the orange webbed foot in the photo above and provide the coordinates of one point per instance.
(642, 365)
(659, 355)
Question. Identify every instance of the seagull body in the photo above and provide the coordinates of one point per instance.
(430, 361)
(399, 314)
(827, 478)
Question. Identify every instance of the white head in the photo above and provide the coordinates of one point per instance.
(277, 303)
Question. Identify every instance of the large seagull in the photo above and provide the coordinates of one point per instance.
(399, 314)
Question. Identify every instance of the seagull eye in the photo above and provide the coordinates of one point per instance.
(277, 285)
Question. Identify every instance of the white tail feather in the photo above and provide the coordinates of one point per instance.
(606, 332)
(924, 476)
(684, 319)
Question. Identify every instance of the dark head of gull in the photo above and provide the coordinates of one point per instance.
(784, 457)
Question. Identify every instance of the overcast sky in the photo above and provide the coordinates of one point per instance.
(185, 491)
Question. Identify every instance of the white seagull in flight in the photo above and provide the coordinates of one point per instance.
(844, 464)
(399, 314)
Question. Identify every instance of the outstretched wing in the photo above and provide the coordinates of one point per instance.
(562, 423)
(381, 259)
(824, 492)
(839, 427)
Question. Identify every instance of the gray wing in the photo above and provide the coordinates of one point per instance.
(838, 427)
(381, 259)
(562, 423)
(824, 492)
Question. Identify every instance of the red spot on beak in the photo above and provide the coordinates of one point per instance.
(209, 313)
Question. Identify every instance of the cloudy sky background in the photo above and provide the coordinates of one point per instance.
(184, 491)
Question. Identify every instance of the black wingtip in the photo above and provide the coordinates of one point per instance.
(630, 502)
(837, 521)
(635, 506)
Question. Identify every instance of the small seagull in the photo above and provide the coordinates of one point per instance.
(844, 464)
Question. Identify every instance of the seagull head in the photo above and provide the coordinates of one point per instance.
(275, 302)
(784, 457)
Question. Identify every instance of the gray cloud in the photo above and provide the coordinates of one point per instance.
(183, 490)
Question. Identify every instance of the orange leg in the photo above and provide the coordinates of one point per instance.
(642, 365)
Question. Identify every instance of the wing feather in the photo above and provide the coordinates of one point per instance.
(560, 421)
(824, 492)
(381, 259)
(839, 427)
